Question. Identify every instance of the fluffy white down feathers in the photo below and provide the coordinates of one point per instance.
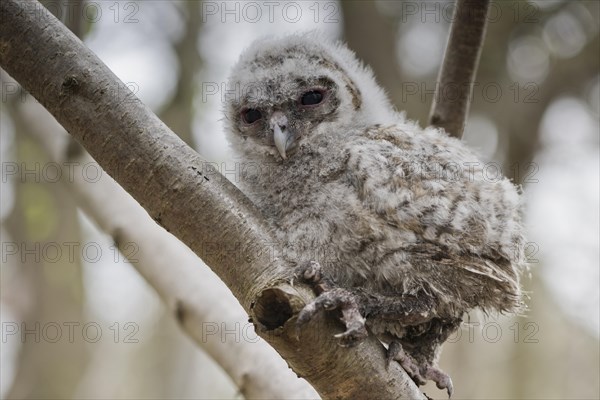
(390, 210)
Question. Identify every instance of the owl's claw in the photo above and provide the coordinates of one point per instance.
(396, 353)
(344, 301)
(331, 298)
(419, 373)
(309, 272)
(355, 327)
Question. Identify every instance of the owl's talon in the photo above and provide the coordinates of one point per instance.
(441, 379)
(353, 334)
(344, 301)
(309, 272)
(408, 363)
(419, 373)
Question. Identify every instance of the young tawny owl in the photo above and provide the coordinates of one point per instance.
(398, 227)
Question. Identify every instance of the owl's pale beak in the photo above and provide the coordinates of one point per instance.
(282, 136)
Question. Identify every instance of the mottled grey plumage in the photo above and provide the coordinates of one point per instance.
(403, 218)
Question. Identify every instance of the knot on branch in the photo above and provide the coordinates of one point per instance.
(70, 84)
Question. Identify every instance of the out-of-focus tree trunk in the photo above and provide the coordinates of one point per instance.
(365, 25)
(45, 217)
(178, 114)
(50, 292)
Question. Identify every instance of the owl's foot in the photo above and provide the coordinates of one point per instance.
(311, 273)
(331, 298)
(419, 373)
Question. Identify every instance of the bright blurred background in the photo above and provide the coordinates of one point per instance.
(535, 115)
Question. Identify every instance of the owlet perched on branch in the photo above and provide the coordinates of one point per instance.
(397, 227)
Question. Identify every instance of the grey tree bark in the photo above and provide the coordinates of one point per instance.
(455, 81)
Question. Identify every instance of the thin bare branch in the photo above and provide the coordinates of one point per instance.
(452, 96)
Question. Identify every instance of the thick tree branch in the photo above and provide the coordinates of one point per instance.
(202, 209)
(252, 365)
(456, 78)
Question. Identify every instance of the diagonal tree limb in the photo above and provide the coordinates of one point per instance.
(206, 212)
(455, 81)
(252, 365)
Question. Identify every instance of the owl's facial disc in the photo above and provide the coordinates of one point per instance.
(279, 114)
(283, 137)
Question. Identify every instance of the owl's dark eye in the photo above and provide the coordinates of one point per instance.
(311, 98)
(251, 115)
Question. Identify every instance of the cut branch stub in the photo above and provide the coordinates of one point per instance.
(275, 306)
(274, 315)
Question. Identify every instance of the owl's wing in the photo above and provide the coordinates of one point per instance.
(428, 183)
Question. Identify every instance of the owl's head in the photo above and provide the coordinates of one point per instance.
(283, 91)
